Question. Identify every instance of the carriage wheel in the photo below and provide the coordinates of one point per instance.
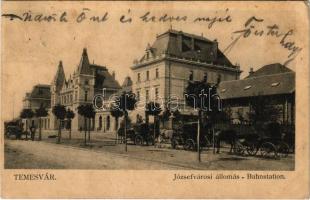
(138, 140)
(151, 140)
(283, 149)
(189, 145)
(251, 149)
(268, 150)
(239, 149)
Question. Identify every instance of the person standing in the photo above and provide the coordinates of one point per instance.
(32, 131)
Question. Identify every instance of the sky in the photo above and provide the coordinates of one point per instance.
(32, 50)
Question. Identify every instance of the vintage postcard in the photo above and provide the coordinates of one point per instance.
(155, 99)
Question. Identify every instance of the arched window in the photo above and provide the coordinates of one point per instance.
(108, 122)
(100, 122)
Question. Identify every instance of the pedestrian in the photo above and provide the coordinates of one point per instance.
(32, 132)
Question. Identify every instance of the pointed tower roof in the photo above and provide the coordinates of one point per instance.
(59, 77)
(127, 82)
(84, 67)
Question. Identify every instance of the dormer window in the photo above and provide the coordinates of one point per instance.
(147, 55)
(275, 84)
(247, 87)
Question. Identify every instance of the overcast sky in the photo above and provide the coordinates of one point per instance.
(31, 50)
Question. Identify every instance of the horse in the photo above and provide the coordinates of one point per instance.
(121, 134)
(229, 136)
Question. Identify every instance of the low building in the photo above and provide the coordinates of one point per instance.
(40, 96)
(275, 83)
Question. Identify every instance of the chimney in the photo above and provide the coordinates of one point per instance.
(192, 44)
(179, 41)
(214, 48)
(113, 74)
(251, 71)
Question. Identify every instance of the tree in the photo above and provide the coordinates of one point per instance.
(41, 112)
(70, 115)
(262, 110)
(60, 113)
(116, 113)
(202, 96)
(88, 112)
(26, 114)
(153, 108)
(165, 115)
(126, 101)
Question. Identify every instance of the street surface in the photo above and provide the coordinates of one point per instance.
(102, 152)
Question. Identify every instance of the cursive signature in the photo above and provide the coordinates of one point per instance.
(250, 30)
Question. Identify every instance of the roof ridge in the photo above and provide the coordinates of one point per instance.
(257, 77)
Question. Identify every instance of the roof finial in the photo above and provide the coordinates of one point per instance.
(85, 51)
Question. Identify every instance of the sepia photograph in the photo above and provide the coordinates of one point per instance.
(168, 86)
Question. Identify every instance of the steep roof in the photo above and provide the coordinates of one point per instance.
(84, 67)
(103, 79)
(281, 83)
(187, 46)
(41, 91)
(127, 85)
(274, 68)
(59, 78)
(127, 82)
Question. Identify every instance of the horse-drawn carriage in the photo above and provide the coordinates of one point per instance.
(186, 136)
(268, 141)
(267, 147)
(138, 134)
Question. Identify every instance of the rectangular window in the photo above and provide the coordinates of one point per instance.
(76, 96)
(139, 78)
(146, 95)
(157, 73)
(205, 77)
(156, 93)
(147, 75)
(138, 95)
(85, 97)
(191, 75)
